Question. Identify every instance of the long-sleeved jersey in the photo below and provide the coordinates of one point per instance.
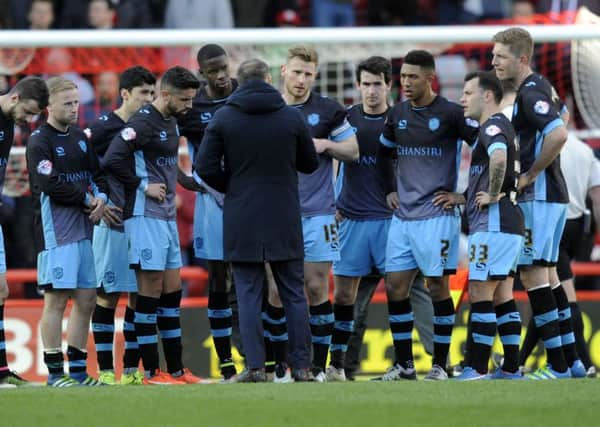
(63, 171)
(145, 152)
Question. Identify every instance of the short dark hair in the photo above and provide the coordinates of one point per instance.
(209, 51)
(375, 65)
(33, 88)
(179, 78)
(134, 77)
(109, 3)
(421, 58)
(488, 81)
(252, 69)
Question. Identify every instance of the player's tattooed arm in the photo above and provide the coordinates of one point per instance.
(497, 171)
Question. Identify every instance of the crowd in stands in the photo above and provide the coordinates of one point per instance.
(107, 14)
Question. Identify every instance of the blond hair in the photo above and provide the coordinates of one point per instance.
(517, 39)
(59, 84)
(305, 53)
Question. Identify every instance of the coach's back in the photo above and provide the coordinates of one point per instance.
(252, 150)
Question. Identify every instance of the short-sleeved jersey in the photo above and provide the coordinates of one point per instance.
(537, 113)
(326, 118)
(361, 194)
(145, 152)
(193, 125)
(7, 133)
(100, 133)
(63, 168)
(495, 134)
(428, 142)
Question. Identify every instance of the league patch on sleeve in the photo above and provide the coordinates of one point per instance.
(44, 167)
(88, 133)
(128, 134)
(541, 107)
(472, 122)
(492, 130)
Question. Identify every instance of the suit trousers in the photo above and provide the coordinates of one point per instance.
(249, 278)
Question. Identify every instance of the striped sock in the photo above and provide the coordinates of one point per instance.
(582, 347)
(443, 322)
(483, 327)
(3, 362)
(321, 327)
(54, 360)
(169, 327)
(77, 363)
(131, 356)
(402, 320)
(276, 327)
(342, 329)
(509, 329)
(103, 328)
(220, 320)
(545, 315)
(567, 336)
(145, 331)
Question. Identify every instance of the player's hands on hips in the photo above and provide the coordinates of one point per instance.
(524, 180)
(97, 206)
(447, 199)
(483, 199)
(320, 144)
(392, 200)
(157, 191)
(113, 215)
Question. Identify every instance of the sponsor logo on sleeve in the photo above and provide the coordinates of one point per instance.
(83, 145)
(128, 134)
(492, 130)
(472, 122)
(541, 107)
(44, 167)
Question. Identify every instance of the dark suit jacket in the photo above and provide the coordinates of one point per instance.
(251, 151)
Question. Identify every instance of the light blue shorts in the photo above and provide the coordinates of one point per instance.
(208, 228)
(153, 243)
(110, 256)
(362, 246)
(321, 240)
(544, 225)
(2, 254)
(493, 255)
(430, 245)
(69, 266)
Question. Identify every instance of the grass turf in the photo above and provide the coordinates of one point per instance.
(365, 404)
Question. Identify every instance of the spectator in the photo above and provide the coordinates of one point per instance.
(390, 12)
(266, 13)
(332, 13)
(106, 96)
(41, 15)
(73, 14)
(59, 61)
(199, 14)
(134, 14)
(5, 15)
(101, 14)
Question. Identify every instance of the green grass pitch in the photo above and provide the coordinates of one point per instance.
(567, 403)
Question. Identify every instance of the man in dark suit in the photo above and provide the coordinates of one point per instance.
(251, 151)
